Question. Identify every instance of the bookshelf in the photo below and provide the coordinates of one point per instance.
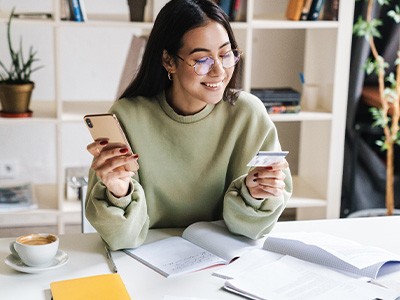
(276, 50)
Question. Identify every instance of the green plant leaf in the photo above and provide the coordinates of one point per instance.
(395, 14)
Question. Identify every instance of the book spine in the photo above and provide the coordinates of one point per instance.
(75, 11)
(331, 10)
(226, 6)
(136, 10)
(315, 10)
(283, 109)
(306, 10)
(234, 10)
(83, 10)
(294, 9)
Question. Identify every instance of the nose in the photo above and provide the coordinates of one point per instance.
(217, 68)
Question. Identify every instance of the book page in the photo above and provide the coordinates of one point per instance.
(174, 256)
(290, 278)
(217, 239)
(246, 263)
(331, 251)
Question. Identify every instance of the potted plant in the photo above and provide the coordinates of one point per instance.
(389, 92)
(15, 83)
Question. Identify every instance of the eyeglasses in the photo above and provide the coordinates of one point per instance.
(204, 65)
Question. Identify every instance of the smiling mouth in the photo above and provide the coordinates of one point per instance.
(213, 85)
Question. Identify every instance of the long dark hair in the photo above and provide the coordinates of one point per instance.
(175, 19)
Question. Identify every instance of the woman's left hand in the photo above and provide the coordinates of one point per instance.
(264, 182)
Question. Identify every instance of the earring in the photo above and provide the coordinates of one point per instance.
(169, 76)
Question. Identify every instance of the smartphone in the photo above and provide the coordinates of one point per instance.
(106, 126)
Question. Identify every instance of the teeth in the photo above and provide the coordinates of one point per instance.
(214, 85)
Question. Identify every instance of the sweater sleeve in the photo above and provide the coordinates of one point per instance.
(121, 222)
(252, 217)
(242, 213)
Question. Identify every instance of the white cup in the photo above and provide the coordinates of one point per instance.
(36, 250)
(309, 97)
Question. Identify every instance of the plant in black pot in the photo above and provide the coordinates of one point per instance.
(15, 83)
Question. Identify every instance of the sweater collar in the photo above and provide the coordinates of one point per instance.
(183, 119)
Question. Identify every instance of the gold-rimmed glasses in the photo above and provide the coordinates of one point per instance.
(205, 64)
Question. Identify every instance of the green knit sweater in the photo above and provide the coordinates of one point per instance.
(192, 168)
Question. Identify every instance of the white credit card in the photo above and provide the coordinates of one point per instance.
(267, 158)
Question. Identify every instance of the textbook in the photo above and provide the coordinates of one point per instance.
(202, 245)
(334, 252)
(290, 278)
(323, 249)
(99, 287)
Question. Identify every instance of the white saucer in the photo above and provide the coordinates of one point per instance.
(16, 263)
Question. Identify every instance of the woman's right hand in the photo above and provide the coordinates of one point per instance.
(114, 165)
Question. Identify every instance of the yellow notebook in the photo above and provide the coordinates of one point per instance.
(99, 287)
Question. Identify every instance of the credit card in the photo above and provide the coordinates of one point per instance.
(267, 158)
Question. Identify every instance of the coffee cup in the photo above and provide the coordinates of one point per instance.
(36, 250)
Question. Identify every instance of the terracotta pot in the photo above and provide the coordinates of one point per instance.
(15, 98)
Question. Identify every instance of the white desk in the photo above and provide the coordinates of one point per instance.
(87, 257)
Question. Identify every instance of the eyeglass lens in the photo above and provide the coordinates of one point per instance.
(205, 65)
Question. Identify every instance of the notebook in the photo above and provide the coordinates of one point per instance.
(99, 287)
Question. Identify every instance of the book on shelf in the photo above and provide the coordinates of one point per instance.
(99, 287)
(317, 256)
(202, 245)
(33, 15)
(17, 197)
(279, 100)
(281, 94)
(315, 10)
(294, 9)
(75, 11)
(283, 109)
(331, 10)
(305, 10)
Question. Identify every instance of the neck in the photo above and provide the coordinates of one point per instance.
(181, 106)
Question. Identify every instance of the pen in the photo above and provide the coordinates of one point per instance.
(110, 260)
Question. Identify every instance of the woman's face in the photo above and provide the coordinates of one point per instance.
(192, 92)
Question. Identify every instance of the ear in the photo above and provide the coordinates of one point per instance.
(168, 62)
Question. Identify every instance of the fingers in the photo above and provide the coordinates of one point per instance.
(264, 182)
(96, 147)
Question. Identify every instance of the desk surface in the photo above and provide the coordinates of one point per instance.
(87, 257)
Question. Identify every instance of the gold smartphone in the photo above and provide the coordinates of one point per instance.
(106, 126)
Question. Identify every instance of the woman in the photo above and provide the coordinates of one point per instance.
(193, 134)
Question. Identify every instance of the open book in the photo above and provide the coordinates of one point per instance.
(314, 266)
(202, 245)
(332, 251)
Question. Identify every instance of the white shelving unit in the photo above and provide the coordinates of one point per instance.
(83, 62)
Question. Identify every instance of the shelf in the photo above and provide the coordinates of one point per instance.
(33, 217)
(301, 116)
(320, 49)
(74, 111)
(43, 111)
(271, 23)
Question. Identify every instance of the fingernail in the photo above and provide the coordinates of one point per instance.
(103, 143)
(123, 150)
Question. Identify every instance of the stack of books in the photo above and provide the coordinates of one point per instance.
(279, 100)
(311, 10)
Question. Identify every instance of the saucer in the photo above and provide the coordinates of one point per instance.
(16, 263)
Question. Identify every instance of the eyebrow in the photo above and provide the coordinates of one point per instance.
(207, 50)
